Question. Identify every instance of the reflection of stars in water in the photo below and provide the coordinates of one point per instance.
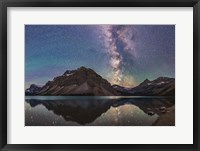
(125, 115)
(39, 115)
(122, 115)
(32, 118)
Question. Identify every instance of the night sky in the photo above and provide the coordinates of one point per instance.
(122, 54)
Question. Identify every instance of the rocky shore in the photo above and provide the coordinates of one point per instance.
(167, 118)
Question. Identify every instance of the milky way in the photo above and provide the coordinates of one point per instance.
(123, 54)
(115, 57)
(113, 37)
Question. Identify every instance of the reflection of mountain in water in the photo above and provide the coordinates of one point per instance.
(83, 111)
(87, 110)
(148, 104)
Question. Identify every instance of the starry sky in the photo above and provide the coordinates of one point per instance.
(123, 54)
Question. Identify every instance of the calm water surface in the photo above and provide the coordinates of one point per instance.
(94, 111)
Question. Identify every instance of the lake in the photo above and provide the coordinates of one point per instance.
(99, 111)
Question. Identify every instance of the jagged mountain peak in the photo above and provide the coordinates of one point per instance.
(161, 86)
(33, 89)
(83, 68)
(144, 82)
(82, 81)
(33, 86)
(69, 72)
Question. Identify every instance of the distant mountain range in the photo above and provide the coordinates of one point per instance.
(161, 86)
(34, 89)
(85, 81)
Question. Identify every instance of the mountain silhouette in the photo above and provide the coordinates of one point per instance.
(83, 81)
(86, 82)
(162, 86)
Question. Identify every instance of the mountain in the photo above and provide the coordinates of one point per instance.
(34, 89)
(83, 81)
(162, 86)
(122, 90)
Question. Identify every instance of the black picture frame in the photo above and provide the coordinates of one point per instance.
(4, 4)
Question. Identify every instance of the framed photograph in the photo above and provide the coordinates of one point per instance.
(80, 75)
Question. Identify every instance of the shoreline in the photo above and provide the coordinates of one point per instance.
(167, 118)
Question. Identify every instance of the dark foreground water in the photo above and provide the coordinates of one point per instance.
(97, 111)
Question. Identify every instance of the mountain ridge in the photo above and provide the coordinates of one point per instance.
(162, 86)
(83, 81)
(86, 82)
